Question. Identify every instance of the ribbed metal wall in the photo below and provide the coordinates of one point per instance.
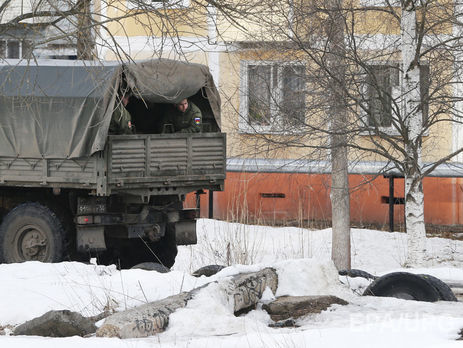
(208, 156)
(128, 157)
(169, 155)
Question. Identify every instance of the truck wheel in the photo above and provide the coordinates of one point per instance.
(31, 231)
(403, 285)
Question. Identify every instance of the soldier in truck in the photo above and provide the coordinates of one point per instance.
(183, 117)
(121, 121)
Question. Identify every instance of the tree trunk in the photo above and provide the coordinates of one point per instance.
(414, 216)
(340, 207)
(340, 204)
(414, 200)
(85, 40)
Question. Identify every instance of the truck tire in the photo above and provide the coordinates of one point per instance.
(445, 293)
(407, 286)
(31, 231)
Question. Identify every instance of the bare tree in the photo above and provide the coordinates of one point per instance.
(86, 29)
(414, 200)
(419, 107)
(396, 71)
(337, 113)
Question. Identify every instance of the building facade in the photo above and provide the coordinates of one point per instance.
(277, 170)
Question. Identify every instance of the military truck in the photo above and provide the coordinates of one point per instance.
(69, 190)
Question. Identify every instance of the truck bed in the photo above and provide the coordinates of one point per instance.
(164, 160)
(162, 163)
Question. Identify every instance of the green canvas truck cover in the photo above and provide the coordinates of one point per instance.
(62, 110)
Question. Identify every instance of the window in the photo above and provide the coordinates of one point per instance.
(134, 4)
(15, 49)
(272, 96)
(383, 85)
(380, 3)
(383, 88)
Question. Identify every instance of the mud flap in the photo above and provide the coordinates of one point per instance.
(90, 239)
(185, 232)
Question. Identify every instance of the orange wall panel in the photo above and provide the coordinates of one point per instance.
(267, 197)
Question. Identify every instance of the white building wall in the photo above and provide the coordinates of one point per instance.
(16, 8)
(457, 127)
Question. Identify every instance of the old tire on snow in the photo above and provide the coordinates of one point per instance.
(31, 231)
(445, 293)
(403, 285)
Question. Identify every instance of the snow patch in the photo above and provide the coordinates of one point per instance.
(302, 260)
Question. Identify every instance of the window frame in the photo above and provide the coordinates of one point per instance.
(276, 120)
(167, 4)
(376, 3)
(5, 53)
(25, 48)
(395, 93)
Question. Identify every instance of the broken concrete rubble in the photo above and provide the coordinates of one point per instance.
(243, 290)
(283, 323)
(286, 307)
(145, 320)
(207, 270)
(5, 330)
(62, 323)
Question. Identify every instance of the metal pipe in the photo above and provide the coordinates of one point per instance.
(211, 204)
(391, 203)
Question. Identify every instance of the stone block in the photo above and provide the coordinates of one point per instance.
(286, 307)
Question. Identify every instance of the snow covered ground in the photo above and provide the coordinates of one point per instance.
(301, 259)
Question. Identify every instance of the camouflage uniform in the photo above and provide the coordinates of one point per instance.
(121, 121)
(183, 122)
